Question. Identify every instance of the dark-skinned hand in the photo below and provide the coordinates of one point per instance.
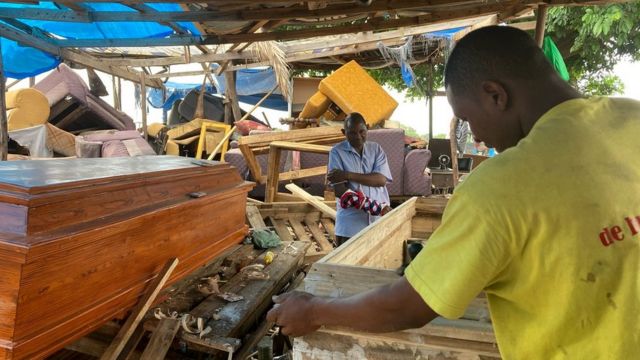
(293, 312)
(336, 176)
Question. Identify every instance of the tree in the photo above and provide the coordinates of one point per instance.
(592, 40)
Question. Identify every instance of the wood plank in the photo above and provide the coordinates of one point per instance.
(161, 339)
(273, 170)
(252, 163)
(139, 311)
(254, 217)
(299, 230)
(303, 173)
(364, 244)
(318, 204)
(295, 146)
(329, 227)
(318, 234)
(291, 135)
(281, 229)
(235, 318)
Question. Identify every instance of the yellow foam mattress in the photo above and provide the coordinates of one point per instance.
(353, 90)
(315, 106)
(26, 108)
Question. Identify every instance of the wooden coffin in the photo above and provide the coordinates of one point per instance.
(370, 259)
(80, 238)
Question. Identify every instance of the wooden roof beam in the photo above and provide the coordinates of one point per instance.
(82, 59)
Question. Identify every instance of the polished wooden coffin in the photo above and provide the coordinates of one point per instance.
(80, 239)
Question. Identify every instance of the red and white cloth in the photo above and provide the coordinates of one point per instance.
(358, 200)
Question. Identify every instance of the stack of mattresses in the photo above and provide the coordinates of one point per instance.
(350, 89)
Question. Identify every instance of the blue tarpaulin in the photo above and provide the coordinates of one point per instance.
(21, 62)
(176, 91)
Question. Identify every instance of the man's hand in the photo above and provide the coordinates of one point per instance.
(337, 176)
(293, 312)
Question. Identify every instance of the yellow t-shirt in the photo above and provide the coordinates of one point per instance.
(550, 229)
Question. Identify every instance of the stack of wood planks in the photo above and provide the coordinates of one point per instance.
(372, 258)
(296, 221)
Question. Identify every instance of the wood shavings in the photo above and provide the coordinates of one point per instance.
(230, 297)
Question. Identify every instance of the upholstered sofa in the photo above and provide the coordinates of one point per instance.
(407, 167)
(64, 89)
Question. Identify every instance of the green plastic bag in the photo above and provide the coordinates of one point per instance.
(553, 54)
(265, 239)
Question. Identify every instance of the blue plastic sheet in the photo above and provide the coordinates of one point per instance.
(21, 62)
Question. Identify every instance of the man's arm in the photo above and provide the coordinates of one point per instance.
(389, 308)
(372, 179)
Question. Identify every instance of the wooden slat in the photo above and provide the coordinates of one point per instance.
(330, 228)
(299, 230)
(321, 239)
(365, 243)
(281, 229)
(273, 169)
(139, 311)
(254, 217)
(318, 204)
(295, 146)
(235, 318)
(161, 339)
(303, 173)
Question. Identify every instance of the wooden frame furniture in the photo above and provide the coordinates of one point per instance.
(370, 259)
(253, 145)
(217, 126)
(273, 173)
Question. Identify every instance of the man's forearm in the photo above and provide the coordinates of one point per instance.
(372, 179)
(390, 308)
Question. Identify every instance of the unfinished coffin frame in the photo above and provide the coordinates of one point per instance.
(371, 259)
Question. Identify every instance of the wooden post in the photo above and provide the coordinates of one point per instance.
(430, 100)
(139, 311)
(32, 81)
(4, 127)
(454, 150)
(540, 24)
(143, 104)
(232, 96)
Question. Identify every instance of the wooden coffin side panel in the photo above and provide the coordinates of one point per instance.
(95, 274)
(379, 244)
(10, 273)
(14, 218)
(464, 338)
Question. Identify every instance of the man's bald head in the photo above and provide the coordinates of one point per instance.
(495, 53)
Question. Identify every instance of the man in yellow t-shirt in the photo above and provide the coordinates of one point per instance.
(549, 228)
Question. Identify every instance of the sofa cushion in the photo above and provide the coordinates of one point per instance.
(392, 142)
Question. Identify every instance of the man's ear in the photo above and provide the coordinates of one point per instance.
(495, 94)
(343, 133)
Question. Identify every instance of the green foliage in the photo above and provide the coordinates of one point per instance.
(593, 40)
